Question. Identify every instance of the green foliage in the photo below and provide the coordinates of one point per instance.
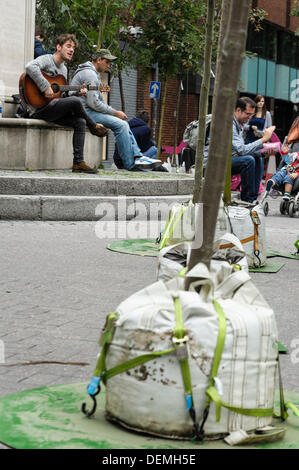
(86, 19)
(295, 8)
(173, 35)
(256, 17)
(173, 31)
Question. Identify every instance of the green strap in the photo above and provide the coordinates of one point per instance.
(183, 272)
(137, 361)
(293, 408)
(179, 332)
(100, 370)
(170, 226)
(105, 341)
(214, 396)
(220, 341)
(211, 392)
(284, 406)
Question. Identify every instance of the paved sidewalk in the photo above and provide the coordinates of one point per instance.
(58, 282)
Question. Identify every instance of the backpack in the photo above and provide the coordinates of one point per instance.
(22, 111)
(191, 132)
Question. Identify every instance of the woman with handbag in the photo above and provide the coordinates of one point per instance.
(260, 121)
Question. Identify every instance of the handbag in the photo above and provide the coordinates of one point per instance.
(293, 135)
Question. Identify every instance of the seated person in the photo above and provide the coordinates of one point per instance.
(287, 174)
(116, 120)
(38, 43)
(142, 133)
(66, 111)
(246, 158)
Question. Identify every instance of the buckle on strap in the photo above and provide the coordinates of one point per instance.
(181, 347)
(255, 217)
(93, 389)
(94, 385)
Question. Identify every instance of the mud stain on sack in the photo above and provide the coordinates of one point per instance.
(149, 341)
(140, 374)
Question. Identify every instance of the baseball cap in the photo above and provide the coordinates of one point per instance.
(104, 54)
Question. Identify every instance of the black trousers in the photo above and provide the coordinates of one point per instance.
(68, 112)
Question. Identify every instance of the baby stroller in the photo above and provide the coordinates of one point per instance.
(290, 206)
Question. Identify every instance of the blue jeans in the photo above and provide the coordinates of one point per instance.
(152, 152)
(125, 140)
(68, 112)
(251, 170)
(282, 176)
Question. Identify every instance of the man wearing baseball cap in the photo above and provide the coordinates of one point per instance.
(97, 108)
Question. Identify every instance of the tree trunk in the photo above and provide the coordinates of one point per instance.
(102, 27)
(203, 104)
(223, 23)
(230, 61)
(164, 92)
(177, 114)
(121, 91)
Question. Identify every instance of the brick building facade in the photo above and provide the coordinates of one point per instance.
(279, 24)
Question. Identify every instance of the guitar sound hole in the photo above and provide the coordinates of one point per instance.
(55, 87)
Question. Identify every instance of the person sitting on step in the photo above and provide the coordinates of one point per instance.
(96, 107)
(66, 111)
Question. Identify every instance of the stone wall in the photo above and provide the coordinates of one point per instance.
(17, 22)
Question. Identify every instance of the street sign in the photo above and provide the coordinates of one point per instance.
(154, 89)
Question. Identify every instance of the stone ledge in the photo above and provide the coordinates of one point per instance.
(35, 144)
(31, 123)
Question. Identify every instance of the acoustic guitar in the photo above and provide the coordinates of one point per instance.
(31, 95)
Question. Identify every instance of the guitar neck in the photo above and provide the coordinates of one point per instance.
(76, 87)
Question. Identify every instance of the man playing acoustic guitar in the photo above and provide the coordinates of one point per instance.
(66, 111)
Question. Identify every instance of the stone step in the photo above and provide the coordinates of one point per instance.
(110, 195)
(105, 183)
(78, 208)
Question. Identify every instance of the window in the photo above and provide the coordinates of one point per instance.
(274, 43)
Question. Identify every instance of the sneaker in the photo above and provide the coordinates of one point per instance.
(160, 168)
(286, 197)
(269, 185)
(99, 130)
(136, 168)
(146, 161)
(82, 167)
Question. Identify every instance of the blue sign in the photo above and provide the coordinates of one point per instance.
(154, 89)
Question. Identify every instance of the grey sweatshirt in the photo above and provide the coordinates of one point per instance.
(47, 64)
(94, 100)
(238, 145)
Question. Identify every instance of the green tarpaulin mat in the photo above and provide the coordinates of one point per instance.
(273, 253)
(51, 418)
(268, 268)
(138, 246)
(282, 349)
(149, 247)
